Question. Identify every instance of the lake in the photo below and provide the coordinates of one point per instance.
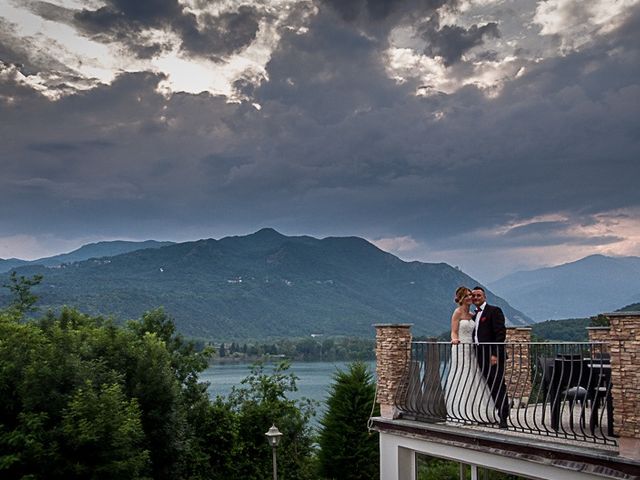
(313, 382)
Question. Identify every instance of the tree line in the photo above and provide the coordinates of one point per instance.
(300, 349)
(82, 397)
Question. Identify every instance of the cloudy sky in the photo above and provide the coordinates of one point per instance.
(495, 135)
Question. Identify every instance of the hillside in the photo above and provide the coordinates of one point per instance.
(567, 330)
(10, 263)
(634, 307)
(571, 329)
(264, 284)
(587, 287)
(91, 250)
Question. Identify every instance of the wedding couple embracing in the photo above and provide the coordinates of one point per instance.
(475, 389)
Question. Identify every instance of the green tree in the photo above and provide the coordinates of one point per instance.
(143, 378)
(599, 321)
(23, 299)
(261, 401)
(172, 400)
(213, 446)
(53, 422)
(348, 451)
(103, 434)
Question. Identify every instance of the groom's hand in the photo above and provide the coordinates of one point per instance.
(494, 360)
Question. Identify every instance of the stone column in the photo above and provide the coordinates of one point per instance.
(625, 380)
(393, 350)
(600, 335)
(517, 371)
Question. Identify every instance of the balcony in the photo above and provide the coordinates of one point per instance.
(573, 407)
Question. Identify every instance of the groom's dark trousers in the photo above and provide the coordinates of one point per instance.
(491, 328)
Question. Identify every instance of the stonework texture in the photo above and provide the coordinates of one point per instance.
(393, 349)
(517, 369)
(600, 335)
(625, 373)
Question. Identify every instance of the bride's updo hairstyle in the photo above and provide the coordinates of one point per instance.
(461, 292)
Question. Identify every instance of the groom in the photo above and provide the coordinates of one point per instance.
(490, 327)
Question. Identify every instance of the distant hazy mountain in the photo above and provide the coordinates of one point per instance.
(98, 250)
(265, 284)
(593, 285)
(91, 250)
(9, 263)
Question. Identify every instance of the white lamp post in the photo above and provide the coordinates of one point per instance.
(273, 437)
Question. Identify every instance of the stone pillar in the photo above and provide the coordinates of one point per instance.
(517, 371)
(393, 350)
(624, 345)
(600, 335)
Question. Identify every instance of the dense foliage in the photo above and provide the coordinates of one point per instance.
(84, 398)
(569, 330)
(348, 451)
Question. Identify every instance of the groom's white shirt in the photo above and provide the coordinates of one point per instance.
(477, 322)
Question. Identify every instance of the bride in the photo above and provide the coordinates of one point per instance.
(466, 391)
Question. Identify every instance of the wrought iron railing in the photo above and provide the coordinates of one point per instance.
(552, 389)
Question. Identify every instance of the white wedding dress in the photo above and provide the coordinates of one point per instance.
(467, 394)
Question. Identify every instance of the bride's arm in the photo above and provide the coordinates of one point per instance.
(455, 324)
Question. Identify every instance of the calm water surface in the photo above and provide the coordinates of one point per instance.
(313, 382)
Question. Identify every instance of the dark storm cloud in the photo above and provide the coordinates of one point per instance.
(223, 164)
(67, 147)
(559, 137)
(451, 41)
(50, 11)
(22, 53)
(12, 89)
(381, 10)
(132, 23)
(378, 17)
(11, 52)
(337, 147)
(125, 170)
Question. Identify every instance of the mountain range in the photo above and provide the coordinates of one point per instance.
(587, 287)
(264, 285)
(91, 250)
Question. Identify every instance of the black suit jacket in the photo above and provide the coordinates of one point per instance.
(492, 328)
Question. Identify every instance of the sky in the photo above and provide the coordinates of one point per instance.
(493, 135)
